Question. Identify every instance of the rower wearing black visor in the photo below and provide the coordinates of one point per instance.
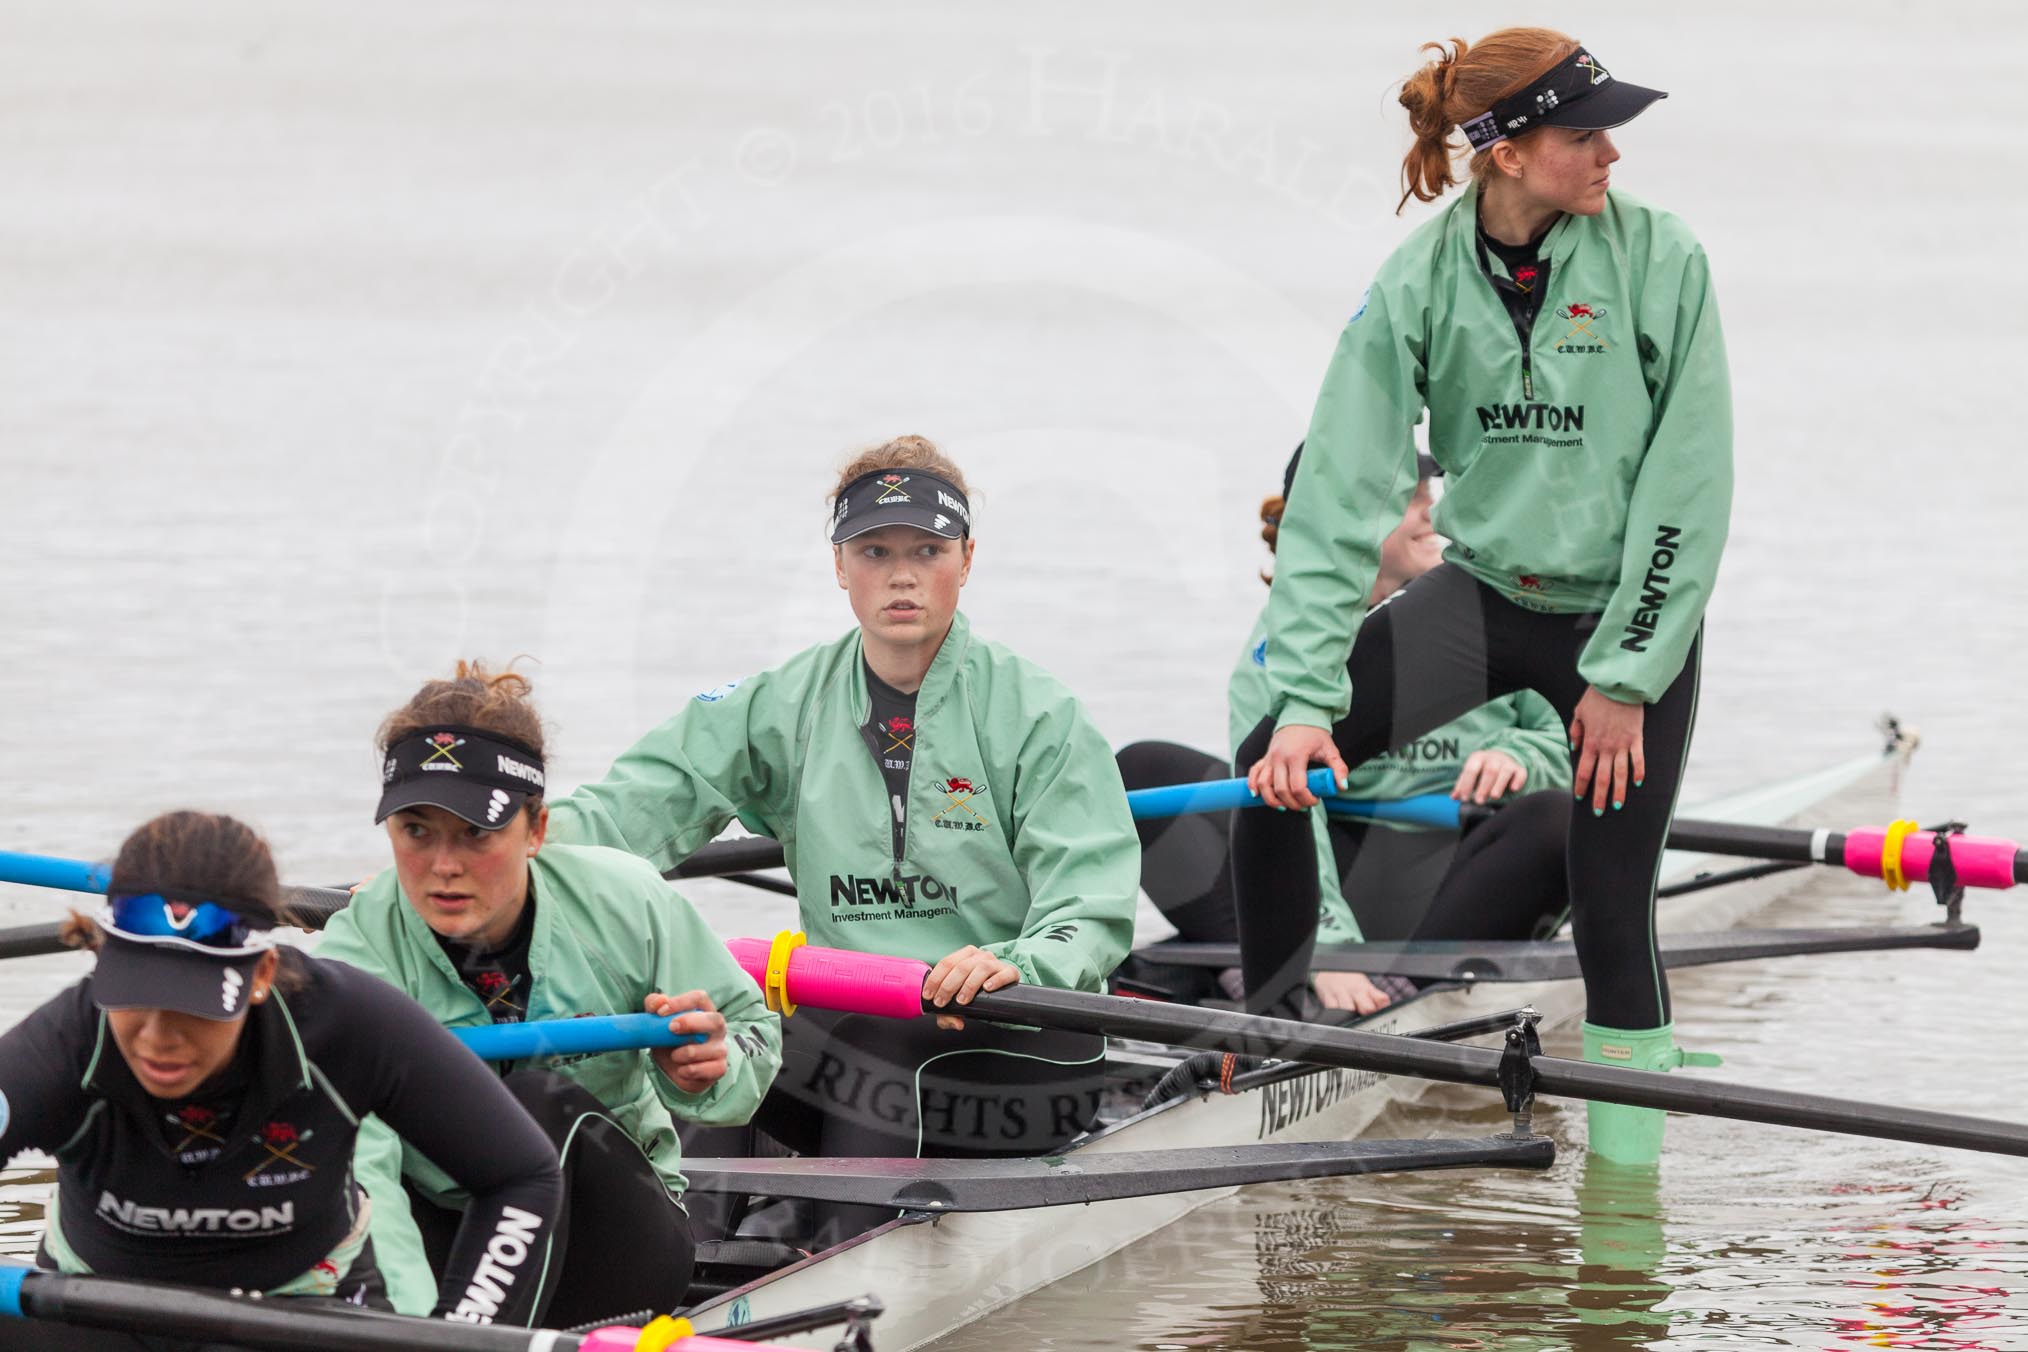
(202, 1087)
(1560, 340)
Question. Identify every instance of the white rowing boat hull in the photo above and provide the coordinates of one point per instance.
(938, 1274)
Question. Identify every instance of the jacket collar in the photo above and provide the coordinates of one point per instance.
(937, 682)
(1557, 245)
(420, 939)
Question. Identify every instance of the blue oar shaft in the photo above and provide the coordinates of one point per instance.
(1212, 795)
(41, 870)
(1227, 795)
(571, 1037)
(1171, 800)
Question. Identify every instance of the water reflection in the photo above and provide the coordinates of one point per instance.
(1484, 1275)
(1951, 1279)
(1621, 1248)
(24, 1195)
(1747, 1237)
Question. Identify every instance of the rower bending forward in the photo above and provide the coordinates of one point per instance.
(201, 1091)
(1565, 342)
(483, 922)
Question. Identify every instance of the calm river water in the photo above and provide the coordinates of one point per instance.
(346, 341)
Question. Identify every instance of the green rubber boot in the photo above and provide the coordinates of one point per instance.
(1632, 1135)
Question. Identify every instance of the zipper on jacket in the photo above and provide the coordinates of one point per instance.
(1522, 304)
(900, 832)
(897, 817)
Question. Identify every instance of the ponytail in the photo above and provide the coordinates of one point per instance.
(1456, 87)
(1428, 95)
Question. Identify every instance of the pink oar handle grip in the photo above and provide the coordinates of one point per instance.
(1982, 861)
(833, 978)
(617, 1339)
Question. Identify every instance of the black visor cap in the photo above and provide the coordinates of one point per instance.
(480, 776)
(133, 975)
(1578, 93)
(901, 497)
(1614, 105)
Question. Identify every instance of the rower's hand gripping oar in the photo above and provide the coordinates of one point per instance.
(791, 974)
(571, 1037)
(1228, 795)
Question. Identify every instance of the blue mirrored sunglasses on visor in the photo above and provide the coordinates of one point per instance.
(207, 924)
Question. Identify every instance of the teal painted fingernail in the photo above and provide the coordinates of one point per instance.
(1637, 783)
(1617, 805)
(1598, 812)
(1578, 794)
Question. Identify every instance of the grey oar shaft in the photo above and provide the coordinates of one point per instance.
(1752, 1103)
(279, 1323)
(1388, 1054)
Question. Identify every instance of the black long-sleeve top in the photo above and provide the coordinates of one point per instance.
(248, 1183)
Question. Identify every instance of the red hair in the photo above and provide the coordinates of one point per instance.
(1459, 85)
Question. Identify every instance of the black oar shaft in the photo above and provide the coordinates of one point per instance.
(1388, 1054)
(31, 941)
(1781, 1108)
(280, 1323)
(1081, 1177)
(1759, 842)
(748, 854)
(312, 907)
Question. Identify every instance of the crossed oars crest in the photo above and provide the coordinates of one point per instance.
(902, 733)
(953, 789)
(1580, 318)
(495, 987)
(279, 1139)
(197, 1124)
(445, 743)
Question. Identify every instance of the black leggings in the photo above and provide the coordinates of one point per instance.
(622, 1245)
(853, 1084)
(1503, 879)
(1446, 645)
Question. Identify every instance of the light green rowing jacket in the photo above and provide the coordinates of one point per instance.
(1524, 725)
(609, 932)
(1589, 472)
(1018, 838)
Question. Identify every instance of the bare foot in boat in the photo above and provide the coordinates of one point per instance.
(1349, 990)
